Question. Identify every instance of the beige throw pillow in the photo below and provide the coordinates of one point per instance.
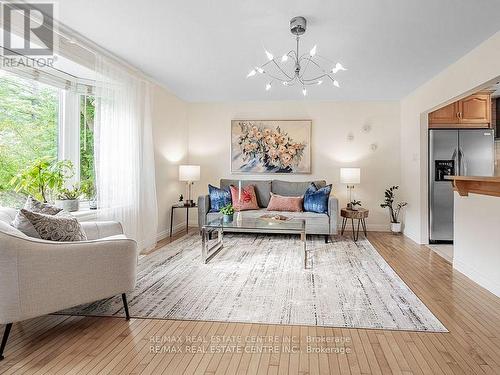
(60, 227)
(22, 223)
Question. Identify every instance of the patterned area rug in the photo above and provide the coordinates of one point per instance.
(260, 279)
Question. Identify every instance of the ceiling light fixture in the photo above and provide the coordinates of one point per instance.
(306, 69)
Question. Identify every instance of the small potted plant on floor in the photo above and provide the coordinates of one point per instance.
(69, 199)
(228, 213)
(394, 210)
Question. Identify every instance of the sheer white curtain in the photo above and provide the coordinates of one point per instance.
(124, 160)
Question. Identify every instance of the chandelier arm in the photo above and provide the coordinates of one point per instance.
(318, 66)
(305, 67)
(278, 78)
(282, 71)
(315, 79)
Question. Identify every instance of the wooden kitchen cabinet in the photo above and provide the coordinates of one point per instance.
(475, 109)
(471, 112)
(445, 115)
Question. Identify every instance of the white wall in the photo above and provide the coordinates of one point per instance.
(472, 72)
(476, 246)
(209, 144)
(170, 140)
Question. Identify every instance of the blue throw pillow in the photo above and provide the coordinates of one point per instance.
(218, 198)
(316, 200)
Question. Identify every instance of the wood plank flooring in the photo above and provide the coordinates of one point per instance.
(90, 345)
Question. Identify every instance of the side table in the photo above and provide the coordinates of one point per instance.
(360, 214)
(182, 205)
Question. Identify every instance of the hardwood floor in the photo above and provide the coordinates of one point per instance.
(89, 345)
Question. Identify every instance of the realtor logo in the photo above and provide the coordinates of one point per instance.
(28, 29)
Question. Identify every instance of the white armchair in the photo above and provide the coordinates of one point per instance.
(39, 277)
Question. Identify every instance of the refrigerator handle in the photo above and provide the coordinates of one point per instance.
(462, 162)
(455, 160)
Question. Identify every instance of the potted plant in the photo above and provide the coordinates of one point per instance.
(352, 205)
(68, 199)
(394, 210)
(43, 178)
(228, 212)
(88, 190)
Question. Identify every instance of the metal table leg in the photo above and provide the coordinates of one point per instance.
(208, 252)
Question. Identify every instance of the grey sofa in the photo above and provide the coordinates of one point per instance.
(39, 277)
(316, 223)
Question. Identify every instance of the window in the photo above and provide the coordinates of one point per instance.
(32, 127)
(87, 170)
(28, 129)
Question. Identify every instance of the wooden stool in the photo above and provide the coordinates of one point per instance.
(360, 214)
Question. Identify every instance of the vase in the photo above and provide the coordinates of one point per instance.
(228, 218)
(396, 227)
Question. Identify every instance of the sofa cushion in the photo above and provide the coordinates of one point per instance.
(218, 198)
(281, 203)
(292, 188)
(248, 199)
(60, 227)
(262, 189)
(316, 200)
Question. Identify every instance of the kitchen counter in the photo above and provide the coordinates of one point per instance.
(476, 227)
(476, 184)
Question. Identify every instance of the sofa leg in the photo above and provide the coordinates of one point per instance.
(4, 340)
(327, 238)
(125, 306)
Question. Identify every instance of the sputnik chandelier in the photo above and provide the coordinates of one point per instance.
(306, 69)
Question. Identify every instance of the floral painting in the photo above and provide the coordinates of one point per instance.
(259, 146)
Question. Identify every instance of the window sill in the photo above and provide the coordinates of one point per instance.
(85, 213)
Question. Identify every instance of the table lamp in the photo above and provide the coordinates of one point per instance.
(350, 176)
(189, 173)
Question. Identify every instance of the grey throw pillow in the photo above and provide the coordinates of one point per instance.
(60, 227)
(24, 225)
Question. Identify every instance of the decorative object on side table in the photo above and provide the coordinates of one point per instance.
(350, 176)
(181, 205)
(360, 214)
(228, 213)
(189, 174)
(394, 212)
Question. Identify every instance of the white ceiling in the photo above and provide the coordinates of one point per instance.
(202, 50)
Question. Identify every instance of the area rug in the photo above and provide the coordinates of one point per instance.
(261, 279)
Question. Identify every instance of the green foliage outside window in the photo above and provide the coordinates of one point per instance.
(28, 130)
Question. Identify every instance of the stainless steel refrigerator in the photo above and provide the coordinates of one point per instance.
(463, 152)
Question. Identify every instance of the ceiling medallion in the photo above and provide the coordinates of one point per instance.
(294, 69)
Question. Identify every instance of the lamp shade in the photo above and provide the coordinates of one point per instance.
(189, 172)
(350, 175)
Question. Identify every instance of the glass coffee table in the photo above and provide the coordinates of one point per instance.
(249, 225)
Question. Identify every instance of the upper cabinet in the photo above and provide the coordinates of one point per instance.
(471, 112)
(445, 115)
(475, 109)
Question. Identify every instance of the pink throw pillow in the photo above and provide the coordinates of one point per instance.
(281, 203)
(248, 198)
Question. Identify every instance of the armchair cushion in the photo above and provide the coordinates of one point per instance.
(60, 227)
(23, 224)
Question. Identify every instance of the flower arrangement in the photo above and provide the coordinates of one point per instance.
(272, 147)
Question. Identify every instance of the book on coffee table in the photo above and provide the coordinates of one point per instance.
(275, 218)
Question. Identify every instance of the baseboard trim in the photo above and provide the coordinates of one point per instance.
(477, 277)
